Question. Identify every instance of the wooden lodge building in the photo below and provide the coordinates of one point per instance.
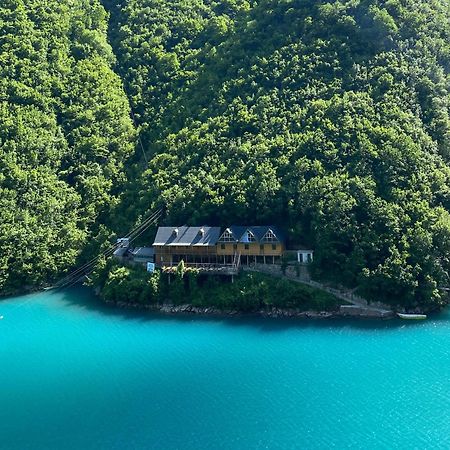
(211, 245)
(261, 244)
(211, 249)
(190, 244)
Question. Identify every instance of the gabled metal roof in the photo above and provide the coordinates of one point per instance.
(120, 251)
(143, 252)
(237, 231)
(182, 236)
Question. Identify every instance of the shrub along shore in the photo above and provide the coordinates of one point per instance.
(187, 291)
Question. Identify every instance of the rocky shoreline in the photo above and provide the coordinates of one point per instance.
(345, 311)
(169, 309)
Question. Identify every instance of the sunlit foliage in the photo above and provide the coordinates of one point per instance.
(331, 119)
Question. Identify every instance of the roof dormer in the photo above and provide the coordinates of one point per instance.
(227, 236)
(248, 236)
(270, 236)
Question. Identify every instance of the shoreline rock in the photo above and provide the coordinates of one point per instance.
(277, 313)
(362, 313)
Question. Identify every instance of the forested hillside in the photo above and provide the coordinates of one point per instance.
(328, 119)
(65, 132)
(331, 119)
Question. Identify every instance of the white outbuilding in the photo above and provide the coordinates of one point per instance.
(305, 256)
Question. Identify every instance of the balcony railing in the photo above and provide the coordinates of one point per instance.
(225, 269)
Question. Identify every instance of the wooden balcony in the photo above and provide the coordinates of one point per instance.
(205, 268)
(208, 268)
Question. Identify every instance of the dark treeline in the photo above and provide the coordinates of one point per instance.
(329, 119)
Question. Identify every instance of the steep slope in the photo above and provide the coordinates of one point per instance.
(65, 132)
(329, 118)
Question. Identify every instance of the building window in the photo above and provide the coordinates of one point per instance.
(270, 237)
(227, 236)
(246, 246)
(261, 246)
(234, 246)
(250, 236)
(222, 246)
(274, 246)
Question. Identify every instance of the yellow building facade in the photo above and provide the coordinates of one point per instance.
(260, 244)
(211, 245)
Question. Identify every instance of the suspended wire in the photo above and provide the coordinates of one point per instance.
(108, 252)
(89, 266)
(132, 235)
(153, 217)
(143, 230)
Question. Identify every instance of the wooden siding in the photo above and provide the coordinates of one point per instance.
(256, 252)
(168, 254)
(254, 249)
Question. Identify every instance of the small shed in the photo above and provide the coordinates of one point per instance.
(305, 256)
(120, 252)
(123, 242)
(143, 255)
(121, 248)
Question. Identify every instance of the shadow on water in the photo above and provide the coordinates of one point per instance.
(83, 297)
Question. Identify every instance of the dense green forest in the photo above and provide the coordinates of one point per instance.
(330, 119)
(65, 133)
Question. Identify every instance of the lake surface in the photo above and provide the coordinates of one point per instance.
(77, 375)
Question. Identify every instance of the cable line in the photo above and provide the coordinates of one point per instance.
(89, 266)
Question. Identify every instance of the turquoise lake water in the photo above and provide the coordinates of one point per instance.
(77, 375)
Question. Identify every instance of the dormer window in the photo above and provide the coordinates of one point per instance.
(201, 232)
(227, 236)
(175, 232)
(250, 236)
(270, 236)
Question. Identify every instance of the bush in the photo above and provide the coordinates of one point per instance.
(131, 284)
(250, 292)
